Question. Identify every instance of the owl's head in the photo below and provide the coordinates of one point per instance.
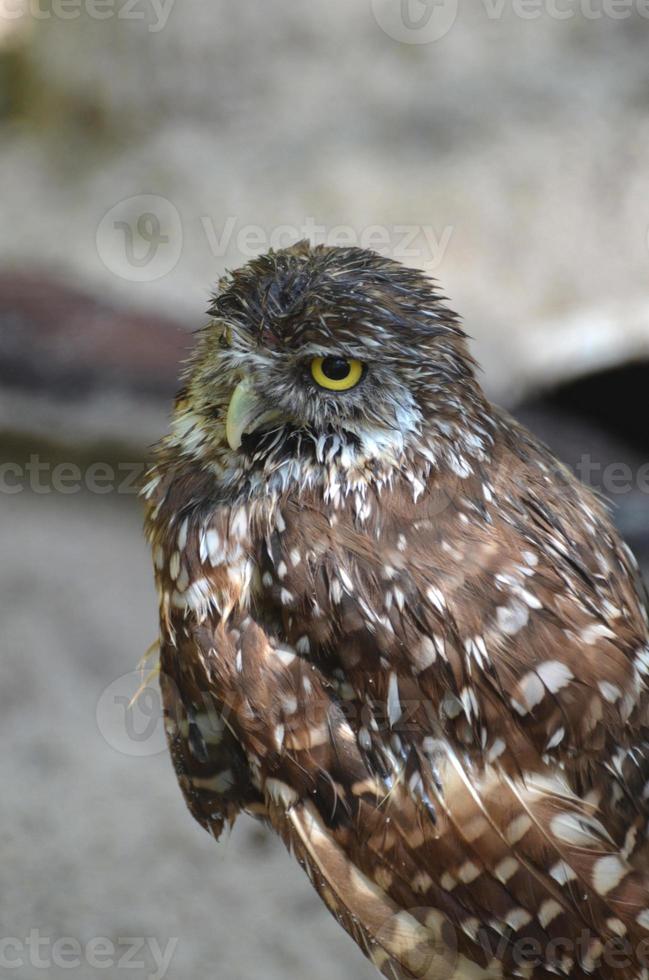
(323, 354)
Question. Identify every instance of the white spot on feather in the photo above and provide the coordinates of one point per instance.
(608, 872)
(289, 704)
(562, 873)
(496, 750)
(641, 661)
(285, 655)
(597, 631)
(280, 793)
(556, 739)
(436, 596)
(214, 549)
(530, 599)
(174, 565)
(469, 703)
(364, 739)
(610, 692)
(548, 912)
(468, 872)
(182, 534)
(220, 783)
(570, 829)
(506, 869)
(518, 828)
(421, 882)
(424, 654)
(239, 523)
(593, 955)
(448, 882)
(533, 689)
(459, 465)
(518, 918)
(616, 926)
(554, 675)
(513, 618)
(394, 703)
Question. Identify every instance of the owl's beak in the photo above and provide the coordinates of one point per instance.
(245, 414)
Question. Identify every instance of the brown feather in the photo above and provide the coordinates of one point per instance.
(395, 628)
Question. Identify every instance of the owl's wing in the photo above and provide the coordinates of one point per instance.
(319, 793)
(209, 762)
(507, 599)
(436, 868)
(493, 644)
(459, 691)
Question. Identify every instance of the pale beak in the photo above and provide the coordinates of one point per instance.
(244, 414)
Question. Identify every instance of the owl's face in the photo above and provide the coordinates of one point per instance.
(323, 353)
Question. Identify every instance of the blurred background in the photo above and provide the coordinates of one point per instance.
(146, 146)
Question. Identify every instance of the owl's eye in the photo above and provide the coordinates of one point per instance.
(336, 373)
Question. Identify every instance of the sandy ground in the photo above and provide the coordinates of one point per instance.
(96, 841)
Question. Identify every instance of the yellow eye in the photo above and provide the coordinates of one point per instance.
(336, 373)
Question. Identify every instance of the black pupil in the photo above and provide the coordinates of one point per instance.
(336, 368)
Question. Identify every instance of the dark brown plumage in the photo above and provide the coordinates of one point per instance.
(396, 629)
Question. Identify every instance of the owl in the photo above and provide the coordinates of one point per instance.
(398, 631)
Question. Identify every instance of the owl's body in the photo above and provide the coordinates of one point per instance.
(395, 628)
